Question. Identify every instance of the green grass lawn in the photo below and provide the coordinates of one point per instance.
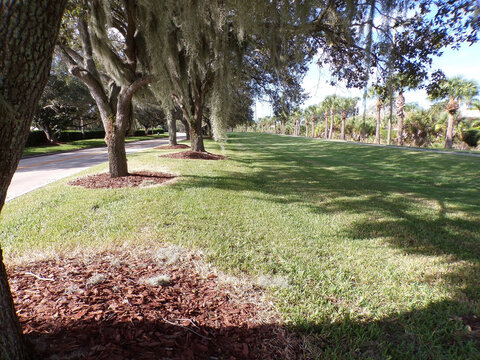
(374, 250)
(79, 144)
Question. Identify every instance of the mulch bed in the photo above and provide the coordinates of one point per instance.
(98, 307)
(172, 147)
(195, 155)
(104, 181)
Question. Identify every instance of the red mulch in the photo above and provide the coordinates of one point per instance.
(122, 318)
(195, 155)
(172, 147)
(104, 181)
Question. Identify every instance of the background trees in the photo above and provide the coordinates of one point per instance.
(455, 90)
(107, 30)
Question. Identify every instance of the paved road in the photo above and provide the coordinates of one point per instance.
(35, 172)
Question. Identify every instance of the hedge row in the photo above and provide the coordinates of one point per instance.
(471, 136)
(38, 138)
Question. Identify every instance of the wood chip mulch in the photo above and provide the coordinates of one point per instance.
(195, 155)
(172, 147)
(104, 181)
(101, 308)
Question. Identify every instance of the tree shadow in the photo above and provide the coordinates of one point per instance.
(418, 203)
(429, 333)
(142, 339)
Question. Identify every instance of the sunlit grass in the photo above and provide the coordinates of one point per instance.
(376, 250)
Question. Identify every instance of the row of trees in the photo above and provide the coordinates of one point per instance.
(206, 59)
(337, 117)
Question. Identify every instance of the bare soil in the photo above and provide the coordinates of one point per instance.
(104, 181)
(103, 307)
(172, 147)
(195, 155)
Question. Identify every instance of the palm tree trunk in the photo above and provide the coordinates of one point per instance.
(342, 130)
(451, 108)
(389, 135)
(379, 122)
(332, 115)
(400, 103)
(326, 125)
(449, 133)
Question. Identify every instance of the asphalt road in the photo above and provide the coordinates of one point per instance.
(34, 172)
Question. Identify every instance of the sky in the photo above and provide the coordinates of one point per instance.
(464, 62)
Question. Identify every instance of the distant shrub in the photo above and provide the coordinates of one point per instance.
(36, 138)
(471, 137)
(72, 135)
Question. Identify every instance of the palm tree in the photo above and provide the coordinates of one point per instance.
(400, 105)
(297, 117)
(347, 105)
(311, 113)
(379, 107)
(455, 90)
(323, 108)
(331, 103)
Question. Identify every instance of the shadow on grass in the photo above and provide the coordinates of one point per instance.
(430, 333)
(420, 203)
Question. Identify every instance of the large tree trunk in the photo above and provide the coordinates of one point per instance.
(117, 157)
(186, 125)
(313, 127)
(196, 138)
(172, 129)
(28, 31)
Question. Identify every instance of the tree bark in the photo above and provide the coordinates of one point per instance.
(389, 135)
(379, 122)
(172, 129)
(196, 138)
(50, 134)
(117, 157)
(342, 130)
(326, 124)
(28, 31)
(449, 133)
(400, 103)
(186, 125)
(313, 127)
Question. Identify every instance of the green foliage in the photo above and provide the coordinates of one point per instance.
(456, 88)
(423, 127)
(36, 138)
(471, 136)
